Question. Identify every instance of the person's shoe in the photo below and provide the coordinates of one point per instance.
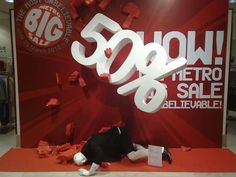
(166, 155)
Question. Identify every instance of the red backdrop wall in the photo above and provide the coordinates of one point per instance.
(98, 104)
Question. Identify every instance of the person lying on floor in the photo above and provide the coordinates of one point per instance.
(110, 146)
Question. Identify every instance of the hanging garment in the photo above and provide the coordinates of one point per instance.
(4, 110)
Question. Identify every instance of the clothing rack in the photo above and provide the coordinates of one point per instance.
(4, 100)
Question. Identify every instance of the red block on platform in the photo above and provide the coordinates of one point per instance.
(53, 102)
(55, 149)
(43, 143)
(184, 148)
(66, 156)
(133, 12)
(64, 147)
(43, 149)
(108, 52)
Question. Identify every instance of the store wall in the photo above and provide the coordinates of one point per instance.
(5, 46)
(5, 37)
(233, 52)
(192, 115)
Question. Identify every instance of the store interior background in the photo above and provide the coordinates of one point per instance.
(8, 136)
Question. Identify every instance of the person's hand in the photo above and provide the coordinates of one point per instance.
(84, 172)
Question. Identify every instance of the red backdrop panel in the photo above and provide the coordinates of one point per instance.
(193, 113)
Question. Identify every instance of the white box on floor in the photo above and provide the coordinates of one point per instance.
(155, 155)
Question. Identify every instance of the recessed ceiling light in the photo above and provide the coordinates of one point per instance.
(11, 1)
(232, 1)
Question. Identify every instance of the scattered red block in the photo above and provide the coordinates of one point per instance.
(105, 164)
(108, 52)
(64, 147)
(89, 3)
(53, 102)
(133, 12)
(74, 76)
(43, 149)
(55, 150)
(43, 143)
(64, 152)
(103, 4)
(67, 155)
(106, 76)
(82, 83)
(58, 80)
(184, 148)
(69, 129)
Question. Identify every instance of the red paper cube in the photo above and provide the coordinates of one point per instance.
(103, 4)
(69, 129)
(68, 155)
(106, 76)
(74, 76)
(43, 149)
(108, 52)
(82, 83)
(53, 102)
(64, 147)
(58, 80)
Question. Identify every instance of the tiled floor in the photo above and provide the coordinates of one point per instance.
(8, 140)
(231, 135)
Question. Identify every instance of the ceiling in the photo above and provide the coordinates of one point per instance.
(5, 6)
